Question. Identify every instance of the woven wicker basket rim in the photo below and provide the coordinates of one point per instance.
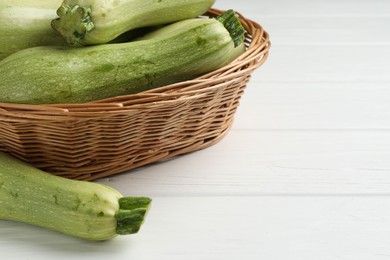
(257, 43)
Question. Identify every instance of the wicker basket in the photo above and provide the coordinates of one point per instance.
(102, 138)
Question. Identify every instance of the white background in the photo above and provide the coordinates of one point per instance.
(303, 174)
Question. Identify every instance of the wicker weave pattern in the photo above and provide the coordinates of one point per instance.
(102, 138)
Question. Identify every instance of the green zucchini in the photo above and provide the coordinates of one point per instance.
(26, 23)
(82, 209)
(174, 53)
(87, 22)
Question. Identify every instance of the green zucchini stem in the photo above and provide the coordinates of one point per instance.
(131, 214)
(231, 22)
(74, 23)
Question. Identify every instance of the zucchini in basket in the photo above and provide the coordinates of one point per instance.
(26, 23)
(82, 209)
(174, 53)
(86, 22)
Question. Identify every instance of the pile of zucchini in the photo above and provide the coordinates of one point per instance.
(73, 55)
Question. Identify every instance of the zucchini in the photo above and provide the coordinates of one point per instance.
(87, 22)
(26, 23)
(174, 53)
(81, 209)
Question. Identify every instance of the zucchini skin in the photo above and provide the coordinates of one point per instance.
(26, 23)
(177, 52)
(88, 22)
(78, 208)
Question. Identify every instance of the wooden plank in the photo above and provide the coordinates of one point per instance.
(271, 228)
(315, 105)
(316, 63)
(327, 30)
(271, 162)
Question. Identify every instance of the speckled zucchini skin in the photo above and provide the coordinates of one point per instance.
(26, 23)
(82, 209)
(177, 52)
(89, 22)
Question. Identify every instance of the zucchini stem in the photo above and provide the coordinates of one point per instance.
(131, 214)
(74, 23)
(231, 22)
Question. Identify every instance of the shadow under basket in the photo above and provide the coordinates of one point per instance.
(102, 138)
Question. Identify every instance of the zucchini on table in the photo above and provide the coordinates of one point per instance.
(26, 23)
(174, 53)
(82, 209)
(86, 22)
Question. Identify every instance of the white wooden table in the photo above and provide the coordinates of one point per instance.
(303, 174)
